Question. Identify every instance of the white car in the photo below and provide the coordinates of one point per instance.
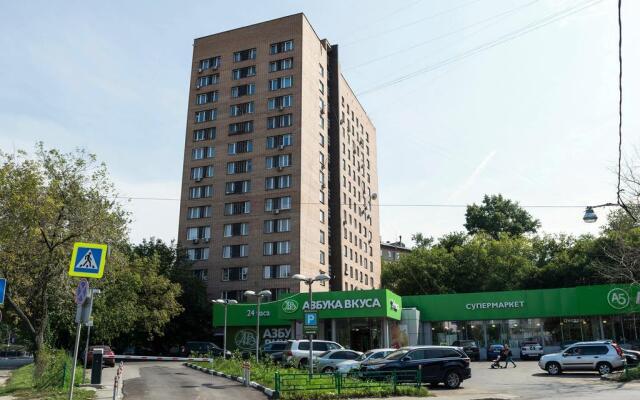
(530, 349)
(603, 356)
(296, 353)
(347, 366)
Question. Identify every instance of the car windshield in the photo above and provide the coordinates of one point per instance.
(364, 356)
(324, 353)
(469, 343)
(396, 355)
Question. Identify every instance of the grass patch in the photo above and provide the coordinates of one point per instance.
(53, 383)
(321, 387)
(630, 374)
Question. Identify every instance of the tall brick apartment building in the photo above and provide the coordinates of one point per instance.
(279, 169)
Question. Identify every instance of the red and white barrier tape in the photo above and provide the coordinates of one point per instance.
(153, 358)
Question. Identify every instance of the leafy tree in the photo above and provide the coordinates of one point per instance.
(422, 241)
(450, 241)
(419, 272)
(46, 204)
(499, 215)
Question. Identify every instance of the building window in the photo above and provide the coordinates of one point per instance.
(277, 225)
(213, 62)
(236, 208)
(200, 253)
(201, 274)
(281, 47)
(235, 251)
(204, 98)
(200, 153)
(198, 212)
(245, 72)
(279, 141)
(237, 229)
(322, 216)
(244, 146)
(243, 90)
(322, 261)
(321, 140)
(281, 65)
(282, 82)
(207, 80)
(321, 197)
(235, 274)
(277, 182)
(277, 203)
(321, 122)
(276, 271)
(279, 161)
(237, 110)
(200, 192)
(198, 173)
(244, 55)
(206, 115)
(280, 102)
(239, 167)
(241, 127)
(321, 86)
(279, 121)
(276, 248)
(237, 187)
(199, 232)
(204, 134)
(322, 237)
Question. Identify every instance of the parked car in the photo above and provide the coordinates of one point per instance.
(530, 349)
(107, 362)
(275, 350)
(328, 361)
(352, 365)
(632, 357)
(297, 351)
(470, 348)
(493, 351)
(446, 364)
(603, 356)
(202, 349)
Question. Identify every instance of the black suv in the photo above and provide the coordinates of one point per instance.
(275, 350)
(445, 364)
(470, 348)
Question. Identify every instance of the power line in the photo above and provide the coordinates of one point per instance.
(488, 45)
(411, 23)
(497, 17)
(434, 205)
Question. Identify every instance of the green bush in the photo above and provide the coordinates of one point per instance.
(630, 374)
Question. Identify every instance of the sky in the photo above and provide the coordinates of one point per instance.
(469, 97)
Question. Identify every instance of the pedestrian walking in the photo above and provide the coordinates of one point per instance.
(508, 356)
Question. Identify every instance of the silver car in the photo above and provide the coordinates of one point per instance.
(296, 353)
(347, 366)
(603, 356)
(327, 361)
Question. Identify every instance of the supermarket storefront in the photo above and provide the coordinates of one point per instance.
(379, 318)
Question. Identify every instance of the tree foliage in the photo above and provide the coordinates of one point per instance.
(498, 215)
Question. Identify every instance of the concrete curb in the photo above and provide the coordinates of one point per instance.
(270, 393)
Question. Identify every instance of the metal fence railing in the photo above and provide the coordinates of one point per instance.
(339, 382)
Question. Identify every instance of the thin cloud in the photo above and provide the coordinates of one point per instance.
(476, 172)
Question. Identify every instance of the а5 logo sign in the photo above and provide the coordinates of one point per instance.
(618, 298)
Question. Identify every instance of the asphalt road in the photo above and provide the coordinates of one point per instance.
(529, 382)
(170, 381)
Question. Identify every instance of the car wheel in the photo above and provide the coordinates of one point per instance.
(452, 380)
(327, 370)
(604, 368)
(553, 368)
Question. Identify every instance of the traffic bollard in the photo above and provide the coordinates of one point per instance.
(96, 366)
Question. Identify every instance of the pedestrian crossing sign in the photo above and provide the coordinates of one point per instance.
(88, 260)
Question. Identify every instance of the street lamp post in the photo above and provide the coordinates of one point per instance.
(259, 296)
(226, 303)
(590, 215)
(309, 282)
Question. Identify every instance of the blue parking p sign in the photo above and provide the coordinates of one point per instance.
(311, 319)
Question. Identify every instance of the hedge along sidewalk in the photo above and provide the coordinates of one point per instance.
(265, 377)
(267, 391)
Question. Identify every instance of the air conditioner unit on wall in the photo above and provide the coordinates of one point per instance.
(276, 211)
(280, 108)
(199, 70)
(281, 147)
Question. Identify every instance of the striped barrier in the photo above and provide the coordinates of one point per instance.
(154, 358)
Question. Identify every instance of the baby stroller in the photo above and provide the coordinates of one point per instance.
(501, 358)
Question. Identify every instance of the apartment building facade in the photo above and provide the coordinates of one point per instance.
(279, 173)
